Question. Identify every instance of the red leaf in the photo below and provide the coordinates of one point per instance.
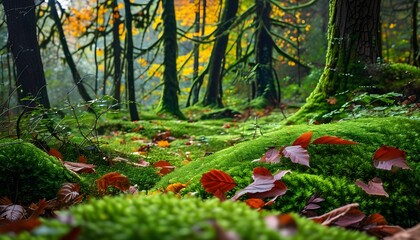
(279, 189)
(217, 182)
(82, 159)
(375, 219)
(20, 226)
(303, 140)
(255, 203)
(38, 210)
(54, 152)
(264, 183)
(297, 154)
(391, 232)
(69, 194)
(80, 167)
(164, 166)
(113, 179)
(332, 140)
(386, 157)
(374, 187)
(343, 216)
(272, 155)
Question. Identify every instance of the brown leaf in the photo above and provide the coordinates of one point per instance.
(54, 152)
(374, 187)
(272, 155)
(303, 140)
(255, 203)
(175, 187)
(114, 179)
(386, 157)
(20, 226)
(217, 182)
(397, 233)
(312, 204)
(297, 154)
(69, 194)
(74, 234)
(38, 210)
(164, 166)
(333, 140)
(343, 216)
(78, 167)
(82, 159)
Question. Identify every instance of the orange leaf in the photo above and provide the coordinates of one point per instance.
(165, 167)
(82, 159)
(54, 152)
(115, 179)
(386, 157)
(217, 182)
(255, 203)
(175, 187)
(303, 140)
(20, 226)
(333, 140)
(163, 144)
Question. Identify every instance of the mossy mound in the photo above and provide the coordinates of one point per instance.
(334, 168)
(167, 217)
(27, 174)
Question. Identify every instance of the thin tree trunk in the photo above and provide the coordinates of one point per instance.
(117, 53)
(213, 95)
(130, 64)
(23, 43)
(414, 38)
(169, 98)
(67, 54)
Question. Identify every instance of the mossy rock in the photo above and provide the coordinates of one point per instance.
(28, 174)
(334, 168)
(168, 217)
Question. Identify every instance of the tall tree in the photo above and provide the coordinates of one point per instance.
(134, 115)
(116, 46)
(415, 49)
(169, 97)
(23, 43)
(353, 34)
(77, 79)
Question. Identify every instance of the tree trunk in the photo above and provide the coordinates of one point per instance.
(67, 54)
(132, 107)
(117, 53)
(23, 43)
(353, 34)
(169, 98)
(266, 91)
(213, 95)
(415, 51)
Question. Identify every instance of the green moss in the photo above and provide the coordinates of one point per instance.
(28, 174)
(167, 217)
(331, 165)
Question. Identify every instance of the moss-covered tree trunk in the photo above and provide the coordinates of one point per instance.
(353, 45)
(23, 43)
(117, 53)
(213, 95)
(266, 93)
(169, 98)
(134, 115)
(415, 50)
(77, 79)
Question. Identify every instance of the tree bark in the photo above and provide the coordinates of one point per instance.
(23, 43)
(169, 97)
(77, 79)
(116, 46)
(213, 95)
(134, 115)
(353, 46)
(415, 51)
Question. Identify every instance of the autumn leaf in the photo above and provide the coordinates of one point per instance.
(80, 167)
(20, 226)
(12, 212)
(38, 209)
(143, 163)
(312, 204)
(255, 203)
(163, 144)
(343, 216)
(374, 187)
(175, 187)
(264, 184)
(386, 157)
(114, 179)
(69, 194)
(164, 166)
(82, 159)
(217, 183)
(284, 223)
(272, 155)
(333, 140)
(303, 140)
(54, 152)
(297, 154)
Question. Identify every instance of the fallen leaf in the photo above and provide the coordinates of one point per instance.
(164, 166)
(12, 212)
(163, 144)
(114, 179)
(303, 140)
(332, 100)
(175, 187)
(255, 203)
(217, 183)
(82, 159)
(80, 167)
(333, 140)
(143, 163)
(386, 157)
(343, 216)
(20, 226)
(397, 233)
(374, 187)
(272, 155)
(285, 224)
(297, 154)
(312, 204)
(54, 152)
(69, 194)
